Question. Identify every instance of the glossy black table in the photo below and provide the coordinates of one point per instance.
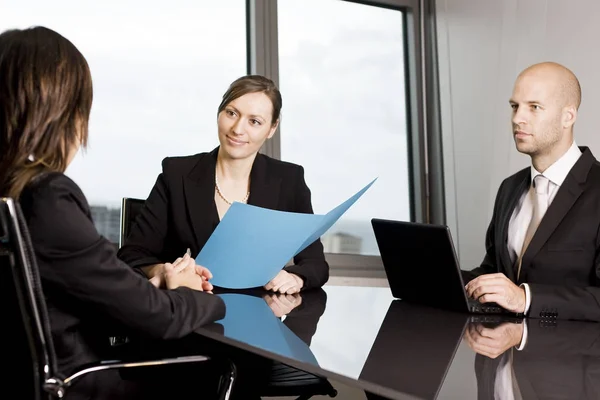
(362, 337)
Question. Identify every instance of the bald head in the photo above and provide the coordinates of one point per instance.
(568, 90)
(545, 101)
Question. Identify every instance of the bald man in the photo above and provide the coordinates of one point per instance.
(543, 243)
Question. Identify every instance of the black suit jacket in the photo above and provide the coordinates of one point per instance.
(560, 361)
(180, 211)
(89, 291)
(562, 262)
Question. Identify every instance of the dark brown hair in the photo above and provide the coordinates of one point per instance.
(254, 84)
(45, 103)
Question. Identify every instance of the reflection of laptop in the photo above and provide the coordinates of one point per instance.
(417, 346)
(422, 267)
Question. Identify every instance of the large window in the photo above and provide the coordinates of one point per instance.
(344, 117)
(159, 71)
(351, 75)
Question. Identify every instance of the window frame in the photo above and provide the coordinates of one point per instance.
(426, 191)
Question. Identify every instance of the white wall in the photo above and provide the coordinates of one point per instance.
(483, 45)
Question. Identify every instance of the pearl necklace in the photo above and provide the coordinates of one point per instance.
(220, 193)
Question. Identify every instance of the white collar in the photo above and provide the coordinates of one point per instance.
(558, 171)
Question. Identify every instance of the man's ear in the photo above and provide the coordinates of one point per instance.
(569, 116)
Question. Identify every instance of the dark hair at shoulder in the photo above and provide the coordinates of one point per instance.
(45, 102)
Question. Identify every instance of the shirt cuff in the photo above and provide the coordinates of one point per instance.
(527, 297)
(527, 305)
(524, 338)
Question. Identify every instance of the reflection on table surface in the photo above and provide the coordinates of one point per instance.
(361, 335)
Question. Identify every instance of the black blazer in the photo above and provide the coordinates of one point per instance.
(562, 262)
(89, 291)
(180, 211)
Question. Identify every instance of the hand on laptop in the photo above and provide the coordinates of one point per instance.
(497, 288)
(492, 342)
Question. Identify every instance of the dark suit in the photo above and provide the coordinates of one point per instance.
(180, 212)
(558, 362)
(89, 291)
(562, 262)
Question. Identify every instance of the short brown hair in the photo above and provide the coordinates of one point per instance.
(254, 84)
(45, 102)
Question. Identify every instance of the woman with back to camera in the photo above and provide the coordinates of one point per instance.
(45, 102)
(193, 193)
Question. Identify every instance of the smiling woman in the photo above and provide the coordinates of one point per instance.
(193, 193)
(247, 117)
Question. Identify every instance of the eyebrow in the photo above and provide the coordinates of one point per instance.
(258, 116)
(251, 116)
(511, 101)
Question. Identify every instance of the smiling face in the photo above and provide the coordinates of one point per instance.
(244, 125)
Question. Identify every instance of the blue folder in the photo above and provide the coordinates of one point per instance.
(252, 244)
(249, 319)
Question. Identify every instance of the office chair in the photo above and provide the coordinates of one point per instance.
(130, 208)
(25, 320)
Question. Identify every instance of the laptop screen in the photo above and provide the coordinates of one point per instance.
(420, 263)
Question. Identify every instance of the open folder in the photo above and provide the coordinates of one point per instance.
(252, 244)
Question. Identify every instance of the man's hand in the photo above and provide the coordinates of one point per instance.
(285, 282)
(497, 288)
(492, 342)
(282, 304)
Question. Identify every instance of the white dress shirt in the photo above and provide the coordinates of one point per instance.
(519, 221)
(505, 385)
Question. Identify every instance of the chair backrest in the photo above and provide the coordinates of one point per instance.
(130, 208)
(27, 326)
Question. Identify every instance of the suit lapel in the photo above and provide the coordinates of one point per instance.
(522, 185)
(199, 192)
(566, 196)
(264, 187)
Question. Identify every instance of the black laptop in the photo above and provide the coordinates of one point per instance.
(422, 267)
